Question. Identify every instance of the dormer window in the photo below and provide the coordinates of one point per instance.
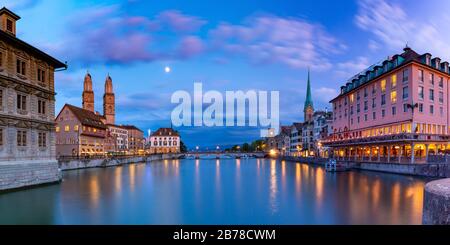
(9, 25)
(428, 60)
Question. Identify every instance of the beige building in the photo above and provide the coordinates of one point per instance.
(116, 139)
(79, 132)
(164, 140)
(135, 139)
(27, 98)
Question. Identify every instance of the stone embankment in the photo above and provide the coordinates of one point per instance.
(28, 173)
(15, 175)
(434, 170)
(79, 163)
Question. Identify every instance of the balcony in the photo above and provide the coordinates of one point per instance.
(390, 138)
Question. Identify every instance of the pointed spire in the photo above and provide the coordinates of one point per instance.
(308, 101)
(87, 86)
(108, 85)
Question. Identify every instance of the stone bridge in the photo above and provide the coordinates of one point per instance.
(221, 155)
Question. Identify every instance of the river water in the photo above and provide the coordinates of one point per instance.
(226, 191)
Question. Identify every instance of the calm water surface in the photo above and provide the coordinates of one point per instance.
(226, 191)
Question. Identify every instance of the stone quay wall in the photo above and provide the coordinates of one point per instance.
(15, 175)
(80, 163)
(436, 203)
(434, 170)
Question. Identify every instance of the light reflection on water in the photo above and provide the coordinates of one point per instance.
(225, 191)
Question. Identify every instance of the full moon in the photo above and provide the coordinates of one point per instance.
(167, 69)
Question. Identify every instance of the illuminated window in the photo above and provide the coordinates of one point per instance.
(352, 98)
(383, 86)
(408, 128)
(394, 81)
(95, 130)
(393, 96)
(75, 128)
(57, 129)
(67, 128)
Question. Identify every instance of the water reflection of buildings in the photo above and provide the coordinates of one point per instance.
(273, 186)
(343, 198)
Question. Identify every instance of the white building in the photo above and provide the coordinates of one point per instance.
(120, 137)
(165, 140)
(296, 139)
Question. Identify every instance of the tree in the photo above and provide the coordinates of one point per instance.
(183, 147)
(245, 147)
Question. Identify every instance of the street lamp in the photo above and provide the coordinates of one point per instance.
(412, 106)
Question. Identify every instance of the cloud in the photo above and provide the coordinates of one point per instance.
(19, 4)
(106, 35)
(101, 35)
(272, 39)
(179, 22)
(325, 94)
(393, 26)
(350, 68)
(190, 46)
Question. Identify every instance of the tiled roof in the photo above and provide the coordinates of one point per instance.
(86, 117)
(165, 132)
(298, 126)
(382, 67)
(285, 130)
(130, 127)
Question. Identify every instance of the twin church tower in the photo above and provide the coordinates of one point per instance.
(109, 111)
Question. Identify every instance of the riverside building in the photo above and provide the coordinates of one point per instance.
(27, 109)
(394, 111)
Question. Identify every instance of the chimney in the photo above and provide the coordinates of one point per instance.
(8, 21)
(444, 67)
(436, 62)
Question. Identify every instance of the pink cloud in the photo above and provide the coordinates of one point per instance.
(190, 46)
(179, 22)
(271, 39)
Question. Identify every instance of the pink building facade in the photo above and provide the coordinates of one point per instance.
(396, 110)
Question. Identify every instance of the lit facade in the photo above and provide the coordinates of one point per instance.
(79, 132)
(296, 144)
(136, 139)
(164, 140)
(116, 139)
(396, 110)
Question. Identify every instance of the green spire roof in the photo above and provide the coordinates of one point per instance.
(308, 101)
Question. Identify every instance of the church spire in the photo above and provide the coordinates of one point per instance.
(309, 108)
(109, 104)
(308, 101)
(108, 85)
(88, 93)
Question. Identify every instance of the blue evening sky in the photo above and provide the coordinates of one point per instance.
(226, 45)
